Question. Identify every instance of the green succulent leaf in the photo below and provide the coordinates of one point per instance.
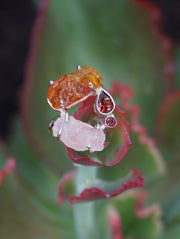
(171, 232)
(118, 45)
(141, 155)
(177, 60)
(168, 127)
(28, 196)
(138, 221)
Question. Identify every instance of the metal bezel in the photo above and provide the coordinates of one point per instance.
(96, 103)
(111, 115)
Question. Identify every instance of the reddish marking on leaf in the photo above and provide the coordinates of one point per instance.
(106, 144)
(88, 102)
(164, 109)
(80, 160)
(115, 223)
(165, 41)
(119, 154)
(88, 194)
(86, 109)
(64, 180)
(126, 93)
(8, 168)
(135, 181)
(29, 68)
(85, 113)
(123, 148)
(140, 210)
(123, 117)
(95, 193)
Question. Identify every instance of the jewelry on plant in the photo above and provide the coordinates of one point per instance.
(77, 135)
(104, 106)
(73, 88)
(70, 90)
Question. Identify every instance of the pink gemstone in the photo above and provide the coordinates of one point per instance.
(110, 122)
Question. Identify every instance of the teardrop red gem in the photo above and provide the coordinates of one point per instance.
(105, 103)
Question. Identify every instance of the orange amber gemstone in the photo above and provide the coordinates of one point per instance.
(73, 88)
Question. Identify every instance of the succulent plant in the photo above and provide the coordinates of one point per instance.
(51, 191)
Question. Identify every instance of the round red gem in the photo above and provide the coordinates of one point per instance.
(110, 122)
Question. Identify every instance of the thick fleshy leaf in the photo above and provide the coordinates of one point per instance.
(22, 219)
(77, 159)
(177, 59)
(9, 166)
(171, 232)
(168, 131)
(115, 223)
(169, 128)
(117, 139)
(137, 221)
(66, 187)
(98, 189)
(143, 153)
(69, 35)
(45, 145)
(172, 210)
(30, 196)
(86, 111)
(7, 162)
(119, 143)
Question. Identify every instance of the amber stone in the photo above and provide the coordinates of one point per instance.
(105, 104)
(73, 88)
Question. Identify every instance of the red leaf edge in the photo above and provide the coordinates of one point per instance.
(94, 193)
(143, 212)
(120, 153)
(80, 160)
(118, 156)
(9, 166)
(166, 105)
(123, 125)
(115, 223)
(165, 41)
(88, 106)
(26, 88)
(140, 211)
(65, 179)
(126, 92)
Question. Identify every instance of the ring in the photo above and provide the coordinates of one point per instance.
(70, 90)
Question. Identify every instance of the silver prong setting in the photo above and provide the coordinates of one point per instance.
(62, 104)
(112, 123)
(66, 117)
(59, 133)
(79, 67)
(98, 126)
(92, 86)
(50, 126)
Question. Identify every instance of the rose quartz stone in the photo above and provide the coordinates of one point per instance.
(78, 135)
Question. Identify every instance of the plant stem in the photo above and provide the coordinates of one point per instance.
(84, 213)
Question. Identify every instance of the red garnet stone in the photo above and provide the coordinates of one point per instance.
(105, 104)
(110, 122)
